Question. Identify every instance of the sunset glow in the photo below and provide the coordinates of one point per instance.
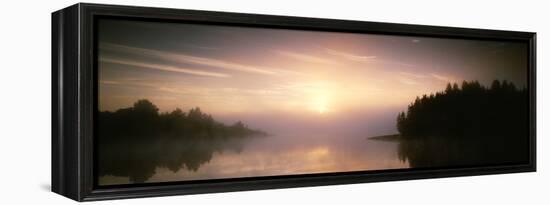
(232, 71)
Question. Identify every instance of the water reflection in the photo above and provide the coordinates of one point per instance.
(141, 145)
(275, 155)
(197, 159)
(465, 151)
(139, 160)
(133, 142)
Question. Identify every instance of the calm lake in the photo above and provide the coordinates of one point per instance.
(273, 155)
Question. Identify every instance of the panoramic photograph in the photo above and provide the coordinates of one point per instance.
(184, 102)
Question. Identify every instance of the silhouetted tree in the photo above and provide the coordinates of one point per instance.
(470, 110)
(472, 124)
(134, 141)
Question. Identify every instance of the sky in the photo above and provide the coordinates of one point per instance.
(267, 75)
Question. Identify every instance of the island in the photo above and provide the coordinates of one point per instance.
(132, 142)
(465, 125)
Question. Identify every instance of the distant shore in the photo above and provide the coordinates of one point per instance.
(392, 137)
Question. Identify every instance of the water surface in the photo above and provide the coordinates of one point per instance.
(282, 155)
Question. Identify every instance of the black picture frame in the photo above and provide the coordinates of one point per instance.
(74, 99)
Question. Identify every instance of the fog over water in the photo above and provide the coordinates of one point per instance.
(297, 145)
(303, 154)
(355, 123)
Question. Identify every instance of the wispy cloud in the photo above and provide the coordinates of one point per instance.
(441, 77)
(414, 78)
(407, 81)
(179, 57)
(365, 58)
(158, 87)
(396, 63)
(124, 82)
(349, 56)
(414, 75)
(201, 47)
(304, 57)
(176, 89)
(163, 67)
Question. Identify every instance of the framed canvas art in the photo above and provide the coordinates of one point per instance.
(153, 102)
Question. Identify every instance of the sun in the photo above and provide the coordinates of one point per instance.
(322, 109)
(319, 97)
(321, 105)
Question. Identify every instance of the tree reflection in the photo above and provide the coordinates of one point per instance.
(471, 125)
(133, 142)
(444, 152)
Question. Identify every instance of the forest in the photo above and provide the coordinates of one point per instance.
(466, 125)
(134, 141)
(143, 120)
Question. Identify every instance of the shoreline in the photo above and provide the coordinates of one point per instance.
(391, 137)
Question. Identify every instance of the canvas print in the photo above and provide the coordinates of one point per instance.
(180, 102)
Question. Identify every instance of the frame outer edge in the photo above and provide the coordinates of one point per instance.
(72, 132)
(533, 104)
(56, 170)
(65, 83)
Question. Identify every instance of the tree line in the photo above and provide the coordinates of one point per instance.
(469, 110)
(133, 142)
(143, 120)
(467, 125)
